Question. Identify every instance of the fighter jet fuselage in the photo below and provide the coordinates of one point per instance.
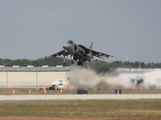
(79, 52)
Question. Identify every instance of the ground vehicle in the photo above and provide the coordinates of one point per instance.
(60, 83)
(57, 85)
(53, 87)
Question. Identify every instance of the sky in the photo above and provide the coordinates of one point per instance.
(34, 29)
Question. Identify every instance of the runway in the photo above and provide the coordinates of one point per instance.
(81, 97)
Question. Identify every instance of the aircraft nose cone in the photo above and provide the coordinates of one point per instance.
(66, 46)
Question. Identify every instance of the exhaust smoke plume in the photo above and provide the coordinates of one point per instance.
(127, 78)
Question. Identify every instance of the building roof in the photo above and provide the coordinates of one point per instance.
(34, 69)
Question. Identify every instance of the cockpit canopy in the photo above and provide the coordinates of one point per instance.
(70, 42)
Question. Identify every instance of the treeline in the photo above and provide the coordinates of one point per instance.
(102, 67)
(50, 61)
(105, 66)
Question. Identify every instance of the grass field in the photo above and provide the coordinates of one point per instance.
(80, 109)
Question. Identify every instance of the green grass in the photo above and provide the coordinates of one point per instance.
(144, 109)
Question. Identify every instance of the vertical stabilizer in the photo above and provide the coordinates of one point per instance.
(90, 56)
(90, 47)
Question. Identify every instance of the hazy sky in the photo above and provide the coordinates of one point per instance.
(37, 28)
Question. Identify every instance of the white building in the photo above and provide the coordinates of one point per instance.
(30, 76)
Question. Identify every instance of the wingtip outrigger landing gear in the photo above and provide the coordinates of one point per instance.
(98, 62)
(64, 61)
(72, 61)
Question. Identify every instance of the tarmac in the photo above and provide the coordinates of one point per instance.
(81, 97)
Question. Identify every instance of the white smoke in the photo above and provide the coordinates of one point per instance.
(81, 77)
(151, 77)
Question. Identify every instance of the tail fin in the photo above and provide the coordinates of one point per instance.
(90, 47)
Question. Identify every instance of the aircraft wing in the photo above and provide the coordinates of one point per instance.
(95, 53)
(63, 52)
(100, 54)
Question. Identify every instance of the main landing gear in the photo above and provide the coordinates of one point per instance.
(79, 63)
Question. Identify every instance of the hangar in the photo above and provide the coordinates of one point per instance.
(31, 76)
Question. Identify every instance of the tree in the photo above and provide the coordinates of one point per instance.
(101, 68)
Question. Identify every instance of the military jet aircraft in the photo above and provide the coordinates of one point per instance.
(80, 53)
